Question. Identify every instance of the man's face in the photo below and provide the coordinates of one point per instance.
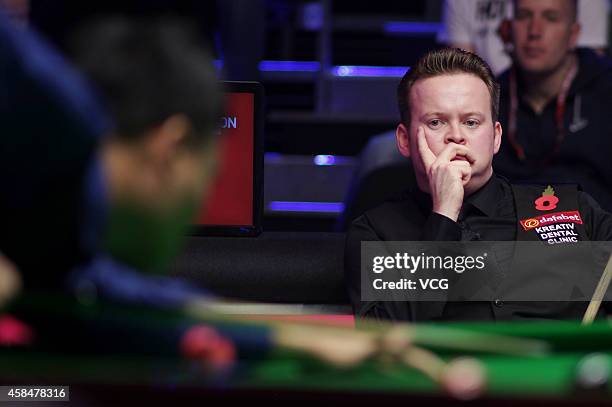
(454, 108)
(544, 31)
(189, 176)
(162, 191)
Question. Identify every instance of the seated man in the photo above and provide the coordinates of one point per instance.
(449, 128)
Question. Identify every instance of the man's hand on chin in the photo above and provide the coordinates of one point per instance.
(448, 173)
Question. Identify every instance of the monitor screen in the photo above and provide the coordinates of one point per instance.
(234, 202)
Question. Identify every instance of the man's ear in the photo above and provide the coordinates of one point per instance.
(497, 137)
(403, 140)
(164, 141)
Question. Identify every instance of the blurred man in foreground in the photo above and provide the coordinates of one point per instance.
(80, 192)
(118, 197)
(154, 169)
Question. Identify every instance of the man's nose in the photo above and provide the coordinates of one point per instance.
(535, 27)
(454, 135)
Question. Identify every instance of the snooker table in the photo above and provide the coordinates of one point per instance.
(278, 376)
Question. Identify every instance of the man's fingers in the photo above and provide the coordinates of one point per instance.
(453, 150)
(425, 152)
(462, 169)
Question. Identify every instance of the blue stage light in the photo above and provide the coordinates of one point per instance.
(410, 27)
(369, 71)
(289, 66)
(293, 206)
(324, 159)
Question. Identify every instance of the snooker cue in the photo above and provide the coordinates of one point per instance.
(294, 334)
(463, 378)
(598, 295)
(426, 362)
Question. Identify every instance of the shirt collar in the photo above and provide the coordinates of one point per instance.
(486, 198)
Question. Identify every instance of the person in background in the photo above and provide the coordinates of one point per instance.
(555, 102)
(474, 25)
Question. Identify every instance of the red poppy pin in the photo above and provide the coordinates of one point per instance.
(547, 201)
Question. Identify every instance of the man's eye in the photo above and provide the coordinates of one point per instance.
(435, 123)
(521, 15)
(552, 17)
(472, 123)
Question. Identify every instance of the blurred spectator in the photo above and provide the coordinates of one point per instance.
(473, 25)
(555, 103)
